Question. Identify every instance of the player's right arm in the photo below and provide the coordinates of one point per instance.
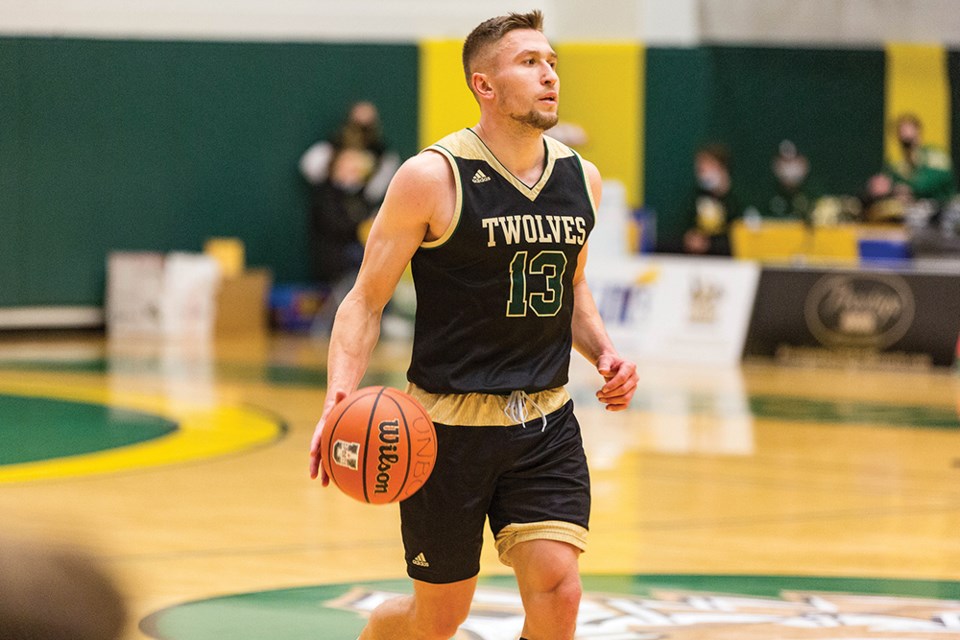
(418, 206)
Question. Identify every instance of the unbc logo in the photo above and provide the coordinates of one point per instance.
(871, 311)
(695, 615)
(424, 453)
(614, 607)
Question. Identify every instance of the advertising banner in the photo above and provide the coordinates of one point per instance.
(890, 318)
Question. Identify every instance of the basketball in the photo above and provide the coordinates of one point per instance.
(379, 445)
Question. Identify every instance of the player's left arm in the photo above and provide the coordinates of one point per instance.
(590, 337)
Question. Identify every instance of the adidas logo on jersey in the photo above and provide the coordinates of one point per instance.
(421, 560)
(479, 177)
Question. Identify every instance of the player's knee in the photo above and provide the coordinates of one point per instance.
(561, 597)
(561, 579)
(442, 622)
(567, 593)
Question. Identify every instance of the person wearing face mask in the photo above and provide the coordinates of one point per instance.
(791, 200)
(338, 210)
(714, 204)
(361, 130)
(924, 172)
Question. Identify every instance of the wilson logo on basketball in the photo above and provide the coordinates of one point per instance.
(389, 431)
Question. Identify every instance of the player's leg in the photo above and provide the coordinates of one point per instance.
(433, 612)
(442, 529)
(539, 514)
(549, 580)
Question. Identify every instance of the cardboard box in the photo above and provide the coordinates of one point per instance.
(241, 303)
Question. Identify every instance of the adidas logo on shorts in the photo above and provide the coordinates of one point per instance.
(479, 177)
(421, 560)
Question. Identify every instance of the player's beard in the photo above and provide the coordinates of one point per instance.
(537, 120)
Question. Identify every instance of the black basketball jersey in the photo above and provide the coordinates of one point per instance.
(495, 293)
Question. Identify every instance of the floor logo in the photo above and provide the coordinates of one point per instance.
(614, 607)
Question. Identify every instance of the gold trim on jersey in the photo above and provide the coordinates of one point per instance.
(486, 409)
(458, 207)
(513, 534)
(586, 184)
(467, 144)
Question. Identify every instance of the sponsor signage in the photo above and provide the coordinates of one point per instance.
(675, 309)
(905, 319)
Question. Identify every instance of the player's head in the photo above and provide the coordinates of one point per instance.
(509, 52)
(478, 45)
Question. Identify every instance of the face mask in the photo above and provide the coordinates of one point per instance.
(791, 173)
(908, 143)
(709, 181)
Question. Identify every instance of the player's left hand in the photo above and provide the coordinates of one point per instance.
(621, 381)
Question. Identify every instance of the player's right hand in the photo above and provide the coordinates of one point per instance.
(316, 468)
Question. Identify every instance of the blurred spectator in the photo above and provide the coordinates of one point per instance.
(923, 173)
(56, 594)
(338, 212)
(361, 130)
(714, 204)
(792, 200)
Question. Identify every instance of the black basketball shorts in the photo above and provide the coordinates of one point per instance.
(532, 482)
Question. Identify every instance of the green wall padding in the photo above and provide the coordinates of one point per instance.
(146, 145)
(678, 103)
(11, 279)
(829, 102)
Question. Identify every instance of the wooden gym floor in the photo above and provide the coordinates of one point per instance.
(758, 471)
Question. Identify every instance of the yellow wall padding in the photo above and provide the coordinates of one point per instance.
(446, 104)
(601, 90)
(917, 81)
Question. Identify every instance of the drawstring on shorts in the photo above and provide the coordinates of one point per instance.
(516, 408)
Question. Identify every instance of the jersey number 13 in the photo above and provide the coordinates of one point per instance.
(549, 265)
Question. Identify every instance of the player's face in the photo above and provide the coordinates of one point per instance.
(525, 79)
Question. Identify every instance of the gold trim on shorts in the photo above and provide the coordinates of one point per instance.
(485, 409)
(513, 534)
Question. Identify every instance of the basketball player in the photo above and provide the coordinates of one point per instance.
(495, 221)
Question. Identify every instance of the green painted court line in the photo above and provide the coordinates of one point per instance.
(853, 412)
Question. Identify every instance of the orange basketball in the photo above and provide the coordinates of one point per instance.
(378, 445)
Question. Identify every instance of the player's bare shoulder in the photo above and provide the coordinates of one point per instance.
(424, 188)
(427, 166)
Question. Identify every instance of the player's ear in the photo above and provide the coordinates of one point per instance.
(481, 85)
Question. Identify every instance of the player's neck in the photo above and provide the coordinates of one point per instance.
(519, 148)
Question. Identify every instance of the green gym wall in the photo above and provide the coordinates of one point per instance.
(158, 145)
